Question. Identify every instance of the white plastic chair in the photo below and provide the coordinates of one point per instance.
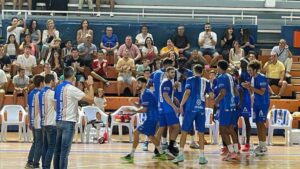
(12, 114)
(130, 125)
(279, 119)
(79, 125)
(90, 114)
(212, 126)
(252, 124)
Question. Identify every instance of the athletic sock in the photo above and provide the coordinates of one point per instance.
(159, 149)
(236, 147)
(263, 144)
(192, 139)
(132, 152)
(164, 140)
(201, 153)
(230, 148)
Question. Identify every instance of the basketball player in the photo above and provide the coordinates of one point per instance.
(34, 116)
(259, 86)
(67, 97)
(193, 108)
(48, 116)
(147, 105)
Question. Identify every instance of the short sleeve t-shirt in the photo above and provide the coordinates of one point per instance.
(3, 78)
(27, 62)
(140, 39)
(20, 82)
(274, 71)
(260, 82)
(281, 53)
(79, 61)
(109, 42)
(102, 65)
(225, 81)
(181, 78)
(207, 41)
(180, 41)
(4, 61)
(148, 100)
(166, 87)
(17, 32)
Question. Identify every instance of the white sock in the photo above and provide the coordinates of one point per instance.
(259, 143)
(236, 147)
(192, 139)
(132, 152)
(230, 148)
(147, 139)
(164, 140)
(201, 153)
(181, 150)
(159, 150)
(263, 144)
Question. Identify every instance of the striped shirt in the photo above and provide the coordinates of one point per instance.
(31, 105)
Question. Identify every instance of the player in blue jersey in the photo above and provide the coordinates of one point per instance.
(33, 109)
(168, 110)
(226, 108)
(259, 86)
(193, 108)
(148, 105)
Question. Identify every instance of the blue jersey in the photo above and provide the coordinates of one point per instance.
(260, 82)
(166, 87)
(199, 87)
(181, 78)
(31, 105)
(156, 79)
(148, 100)
(42, 103)
(246, 95)
(225, 81)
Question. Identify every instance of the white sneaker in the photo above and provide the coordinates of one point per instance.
(111, 14)
(19, 13)
(29, 13)
(51, 14)
(98, 14)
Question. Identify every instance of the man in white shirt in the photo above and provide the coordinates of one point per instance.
(207, 41)
(47, 70)
(3, 82)
(21, 84)
(67, 97)
(141, 37)
(16, 28)
(284, 55)
(27, 61)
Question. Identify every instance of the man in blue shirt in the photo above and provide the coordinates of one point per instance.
(33, 108)
(193, 108)
(148, 105)
(259, 86)
(109, 43)
(226, 107)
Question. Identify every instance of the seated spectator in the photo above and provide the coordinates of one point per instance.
(247, 41)
(284, 55)
(99, 67)
(36, 37)
(90, 5)
(147, 74)
(16, 28)
(181, 41)
(134, 51)
(11, 48)
(19, 3)
(227, 43)
(112, 6)
(83, 31)
(156, 65)
(21, 84)
(87, 51)
(126, 68)
(142, 67)
(48, 35)
(172, 55)
(195, 59)
(149, 51)
(3, 85)
(236, 54)
(56, 62)
(27, 61)
(66, 53)
(165, 51)
(5, 63)
(100, 101)
(27, 41)
(141, 37)
(275, 72)
(207, 41)
(47, 70)
(78, 64)
(109, 43)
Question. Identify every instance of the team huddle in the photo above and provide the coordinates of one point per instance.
(181, 92)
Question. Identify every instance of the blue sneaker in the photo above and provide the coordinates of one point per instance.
(145, 146)
(179, 158)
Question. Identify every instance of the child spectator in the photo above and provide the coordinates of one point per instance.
(142, 67)
(66, 53)
(100, 101)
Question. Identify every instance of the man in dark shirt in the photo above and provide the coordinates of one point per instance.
(181, 41)
(5, 63)
(196, 59)
(78, 64)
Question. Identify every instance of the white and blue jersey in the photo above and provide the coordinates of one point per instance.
(46, 97)
(32, 102)
(156, 79)
(180, 90)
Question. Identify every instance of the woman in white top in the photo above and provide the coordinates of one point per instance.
(236, 54)
(100, 101)
(149, 51)
(48, 35)
(83, 31)
(141, 37)
(11, 48)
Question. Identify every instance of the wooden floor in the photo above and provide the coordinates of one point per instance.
(13, 155)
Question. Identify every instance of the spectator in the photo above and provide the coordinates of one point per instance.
(2, 2)
(109, 43)
(27, 61)
(126, 68)
(48, 35)
(132, 49)
(66, 53)
(207, 41)
(59, 5)
(16, 28)
(20, 4)
(181, 41)
(165, 51)
(56, 61)
(54, 47)
(236, 54)
(90, 5)
(35, 32)
(5, 63)
(87, 50)
(78, 64)
(142, 67)
(149, 51)
(284, 55)
(21, 83)
(27, 41)
(247, 41)
(227, 43)
(83, 31)
(112, 6)
(100, 101)
(3, 84)
(156, 65)
(147, 74)
(141, 37)
(47, 70)
(196, 59)
(275, 72)
(11, 48)
(99, 67)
